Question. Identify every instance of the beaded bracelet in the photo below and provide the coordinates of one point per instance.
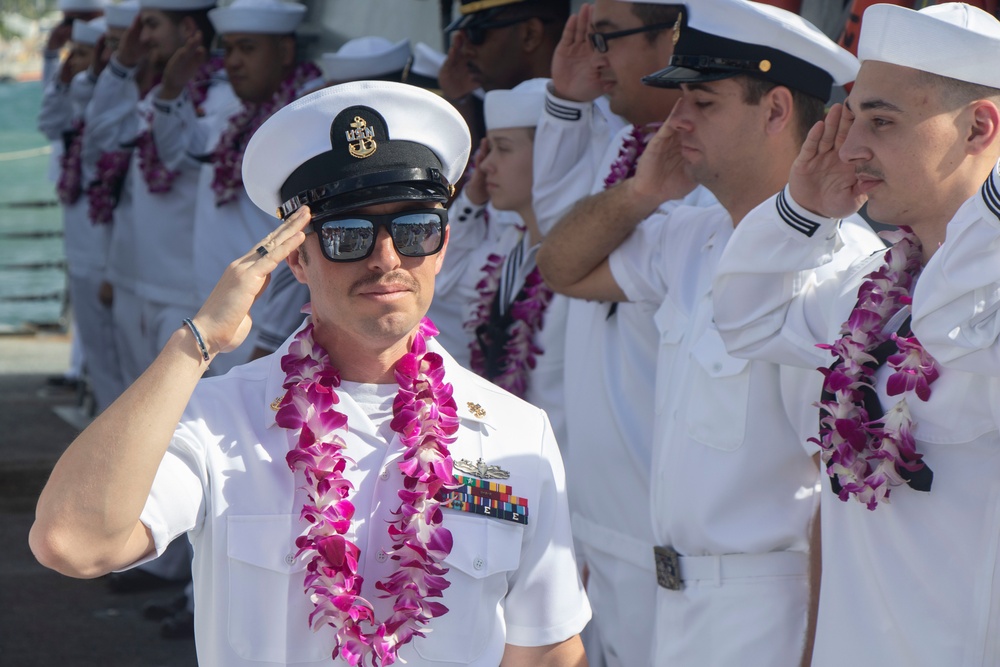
(197, 336)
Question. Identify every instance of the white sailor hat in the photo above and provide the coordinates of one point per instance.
(521, 106)
(88, 32)
(954, 40)
(365, 58)
(81, 5)
(121, 15)
(427, 62)
(177, 5)
(725, 38)
(356, 144)
(271, 17)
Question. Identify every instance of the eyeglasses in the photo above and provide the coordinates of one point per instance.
(350, 238)
(476, 34)
(599, 40)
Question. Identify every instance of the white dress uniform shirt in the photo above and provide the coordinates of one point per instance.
(224, 481)
(609, 362)
(112, 123)
(475, 232)
(86, 245)
(224, 233)
(731, 476)
(910, 582)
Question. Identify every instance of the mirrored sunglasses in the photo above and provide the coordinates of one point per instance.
(350, 238)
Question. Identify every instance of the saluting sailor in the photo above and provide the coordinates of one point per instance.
(358, 480)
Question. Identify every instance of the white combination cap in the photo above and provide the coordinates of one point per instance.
(121, 15)
(354, 145)
(725, 38)
(88, 32)
(954, 40)
(177, 5)
(269, 17)
(365, 58)
(81, 5)
(521, 106)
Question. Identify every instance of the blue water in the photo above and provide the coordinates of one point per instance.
(27, 198)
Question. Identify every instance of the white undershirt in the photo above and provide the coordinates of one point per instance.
(376, 402)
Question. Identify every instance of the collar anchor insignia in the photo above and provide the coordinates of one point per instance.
(481, 469)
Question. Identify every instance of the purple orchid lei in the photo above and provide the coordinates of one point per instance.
(70, 185)
(863, 455)
(425, 416)
(228, 154)
(628, 155)
(528, 316)
(158, 178)
(103, 193)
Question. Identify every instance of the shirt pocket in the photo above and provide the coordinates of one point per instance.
(268, 608)
(484, 553)
(720, 390)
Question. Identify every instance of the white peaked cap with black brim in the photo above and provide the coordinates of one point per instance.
(263, 17)
(356, 144)
(726, 38)
(953, 39)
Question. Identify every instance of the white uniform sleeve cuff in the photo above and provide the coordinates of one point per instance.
(798, 218)
(564, 110)
(120, 71)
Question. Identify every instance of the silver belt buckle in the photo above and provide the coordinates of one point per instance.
(668, 568)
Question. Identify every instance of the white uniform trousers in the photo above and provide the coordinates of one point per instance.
(126, 313)
(95, 330)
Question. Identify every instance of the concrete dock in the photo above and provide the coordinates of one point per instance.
(46, 618)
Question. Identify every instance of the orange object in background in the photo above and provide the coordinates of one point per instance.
(852, 30)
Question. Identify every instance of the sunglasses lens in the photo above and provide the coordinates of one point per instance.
(475, 36)
(347, 240)
(417, 234)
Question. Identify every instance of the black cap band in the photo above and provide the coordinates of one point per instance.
(700, 56)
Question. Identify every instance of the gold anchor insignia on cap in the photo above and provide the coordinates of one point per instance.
(677, 27)
(477, 410)
(361, 138)
(480, 469)
(765, 65)
(276, 403)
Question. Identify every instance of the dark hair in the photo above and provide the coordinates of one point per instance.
(653, 14)
(807, 109)
(956, 93)
(201, 21)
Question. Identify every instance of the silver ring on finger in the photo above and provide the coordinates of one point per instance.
(262, 251)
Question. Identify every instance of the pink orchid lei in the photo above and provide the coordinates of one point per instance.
(864, 455)
(158, 178)
(425, 416)
(104, 193)
(628, 155)
(70, 184)
(228, 154)
(527, 316)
